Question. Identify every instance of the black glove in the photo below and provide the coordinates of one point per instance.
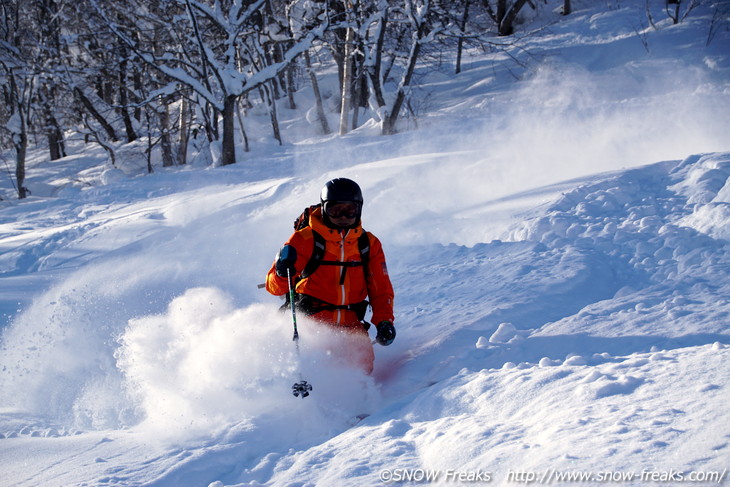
(386, 333)
(285, 260)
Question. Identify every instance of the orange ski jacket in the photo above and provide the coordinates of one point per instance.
(327, 283)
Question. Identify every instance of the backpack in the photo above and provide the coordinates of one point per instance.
(316, 259)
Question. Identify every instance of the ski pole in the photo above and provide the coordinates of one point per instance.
(293, 309)
(302, 387)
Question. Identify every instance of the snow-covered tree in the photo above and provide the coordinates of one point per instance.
(18, 81)
(424, 18)
(216, 48)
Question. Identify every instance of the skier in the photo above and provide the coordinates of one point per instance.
(335, 267)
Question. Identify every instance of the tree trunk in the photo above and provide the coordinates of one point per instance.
(56, 145)
(317, 95)
(228, 150)
(210, 117)
(150, 145)
(567, 8)
(346, 82)
(184, 131)
(243, 129)
(137, 83)
(272, 111)
(392, 118)
(674, 16)
(356, 94)
(19, 131)
(97, 116)
(508, 17)
(290, 86)
(374, 71)
(165, 139)
(21, 147)
(124, 99)
(501, 13)
(460, 42)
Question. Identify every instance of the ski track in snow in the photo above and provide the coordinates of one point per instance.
(565, 319)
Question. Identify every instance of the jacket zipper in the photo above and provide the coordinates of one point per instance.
(342, 269)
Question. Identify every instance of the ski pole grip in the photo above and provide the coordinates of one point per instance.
(285, 261)
(288, 253)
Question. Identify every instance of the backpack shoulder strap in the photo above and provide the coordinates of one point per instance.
(363, 243)
(317, 255)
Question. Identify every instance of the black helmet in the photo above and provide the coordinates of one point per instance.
(341, 190)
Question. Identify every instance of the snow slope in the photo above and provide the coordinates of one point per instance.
(559, 247)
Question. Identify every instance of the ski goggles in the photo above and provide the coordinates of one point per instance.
(342, 209)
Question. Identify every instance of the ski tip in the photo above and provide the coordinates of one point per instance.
(356, 419)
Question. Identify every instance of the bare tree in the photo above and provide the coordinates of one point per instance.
(16, 88)
(505, 13)
(302, 17)
(18, 78)
(373, 62)
(49, 23)
(212, 41)
(347, 75)
(321, 115)
(460, 42)
(424, 26)
(97, 75)
(674, 9)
